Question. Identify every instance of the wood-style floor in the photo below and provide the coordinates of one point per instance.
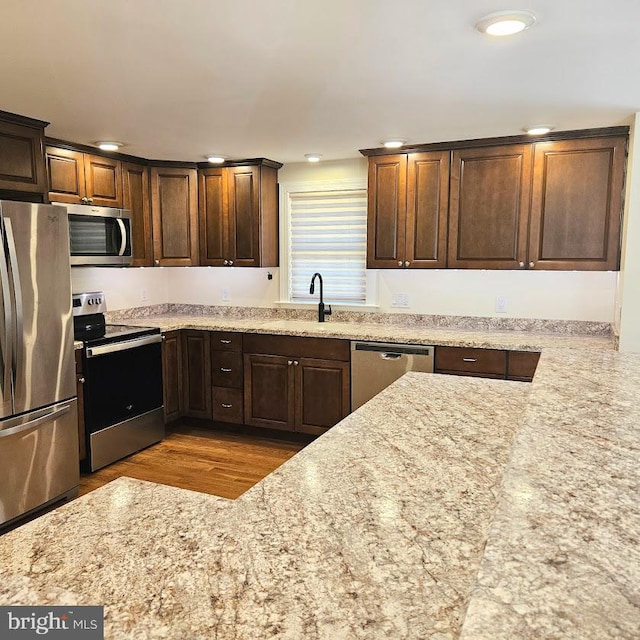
(219, 463)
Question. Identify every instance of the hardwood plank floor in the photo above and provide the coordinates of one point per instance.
(220, 463)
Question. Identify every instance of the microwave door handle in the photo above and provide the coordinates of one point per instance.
(123, 237)
(17, 293)
(5, 337)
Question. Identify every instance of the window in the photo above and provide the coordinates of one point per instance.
(327, 232)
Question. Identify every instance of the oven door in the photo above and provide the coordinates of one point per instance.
(122, 380)
(100, 236)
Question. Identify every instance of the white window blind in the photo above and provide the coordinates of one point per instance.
(328, 234)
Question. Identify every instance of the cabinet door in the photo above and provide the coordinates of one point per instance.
(242, 244)
(269, 393)
(172, 375)
(103, 181)
(135, 197)
(386, 211)
(212, 214)
(576, 204)
(489, 207)
(196, 373)
(427, 209)
(322, 394)
(66, 175)
(174, 208)
(22, 159)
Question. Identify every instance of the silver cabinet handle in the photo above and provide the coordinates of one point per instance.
(399, 263)
(90, 200)
(289, 362)
(226, 406)
(84, 200)
(225, 370)
(296, 363)
(226, 262)
(532, 264)
(521, 263)
(157, 262)
(407, 263)
(225, 341)
(230, 263)
(469, 360)
(81, 380)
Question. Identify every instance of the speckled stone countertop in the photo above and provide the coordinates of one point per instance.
(513, 340)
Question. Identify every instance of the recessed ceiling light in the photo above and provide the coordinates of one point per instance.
(538, 129)
(313, 157)
(395, 143)
(505, 23)
(108, 146)
(215, 159)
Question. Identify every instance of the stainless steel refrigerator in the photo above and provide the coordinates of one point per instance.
(38, 405)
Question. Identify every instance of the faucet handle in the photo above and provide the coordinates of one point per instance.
(327, 310)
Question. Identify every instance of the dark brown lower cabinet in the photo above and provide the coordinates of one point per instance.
(227, 377)
(486, 363)
(172, 375)
(196, 371)
(295, 388)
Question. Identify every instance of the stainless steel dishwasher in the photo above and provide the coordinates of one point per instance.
(375, 365)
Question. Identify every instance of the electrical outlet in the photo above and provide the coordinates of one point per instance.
(501, 304)
(225, 294)
(399, 299)
(144, 295)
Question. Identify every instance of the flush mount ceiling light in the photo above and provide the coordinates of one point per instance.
(313, 157)
(505, 23)
(108, 145)
(395, 143)
(215, 159)
(538, 129)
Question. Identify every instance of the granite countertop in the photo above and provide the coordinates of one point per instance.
(446, 507)
(488, 339)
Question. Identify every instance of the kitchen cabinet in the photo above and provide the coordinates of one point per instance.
(83, 178)
(489, 207)
(82, 436)
(486, 363)
(295, 384)
(407, 210)
(172, 375)
(174, 208)
(196, 371)
(227, 377)
(22, 166)
(576, 204)
(238, 216)
(136, 198)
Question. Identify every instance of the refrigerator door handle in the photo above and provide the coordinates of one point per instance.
(5, 338)
(36, 422)
(17, 292)
(123, 237)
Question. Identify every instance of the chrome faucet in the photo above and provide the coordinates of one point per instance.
(321, 310)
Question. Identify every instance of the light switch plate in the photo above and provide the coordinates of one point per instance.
(501, 304)
(225, 294)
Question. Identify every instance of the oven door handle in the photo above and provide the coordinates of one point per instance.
(123, 236)
(92, 352)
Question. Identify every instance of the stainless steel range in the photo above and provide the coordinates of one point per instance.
(122, 368)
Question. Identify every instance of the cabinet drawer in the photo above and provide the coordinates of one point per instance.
(226, 341)
(226, 369)
(298, 347)
(490, 362)
(227, 405)
(522, 365)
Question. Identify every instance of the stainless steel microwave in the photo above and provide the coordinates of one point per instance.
(99, 236)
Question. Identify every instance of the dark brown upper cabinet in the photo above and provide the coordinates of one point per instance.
(576, 204)
(83, 178)
(238, 216)
(22, 167)
(489, 207)
(407, 204)
(135, 190)
(174, 208)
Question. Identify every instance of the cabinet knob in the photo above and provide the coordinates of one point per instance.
(399, 263)
(157, 262)
(230, 263)
(90, 200)
(226, 262)
(521, 264)
(296, 363)
(163, 337)
(83, 200)
(407, 263)
(532, 264)
(289, 362)
(81, 380)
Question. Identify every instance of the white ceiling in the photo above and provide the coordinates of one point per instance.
(178, 79)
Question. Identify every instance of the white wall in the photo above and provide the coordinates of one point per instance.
(629, 290)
